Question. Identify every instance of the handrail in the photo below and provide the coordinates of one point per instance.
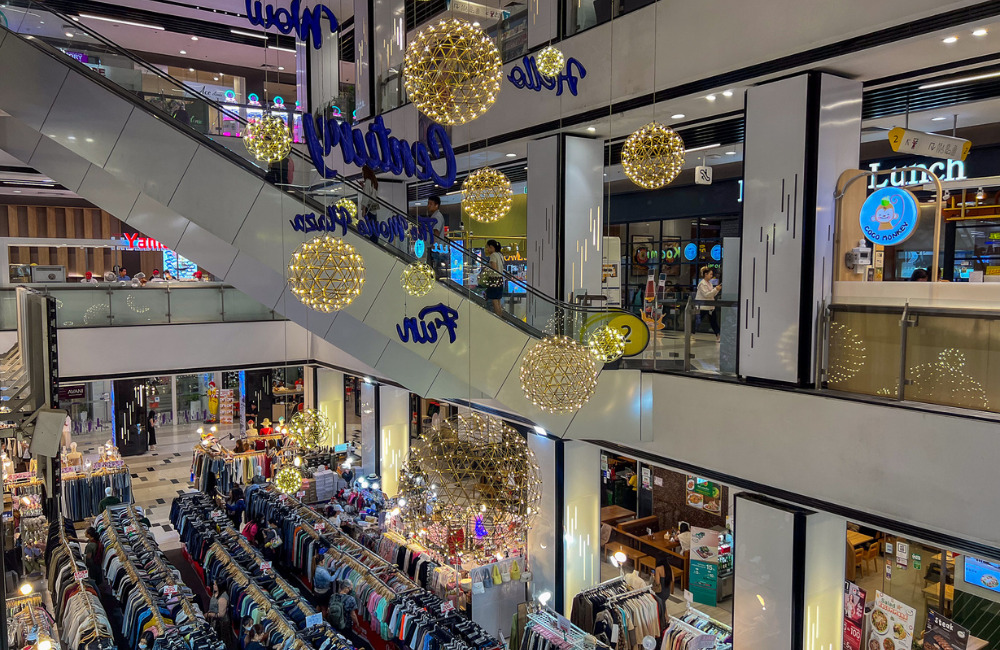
(558, 306)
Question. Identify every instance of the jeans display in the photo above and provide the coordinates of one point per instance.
(141, 579)
(82, 493)
(83, 622)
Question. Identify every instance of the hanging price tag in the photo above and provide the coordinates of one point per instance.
(80, 575)
(130, 529)
(282, 498)
(320, 526)
(265, 566)
(447, 606)
(300, 495)
(314, 620)
(170, 590)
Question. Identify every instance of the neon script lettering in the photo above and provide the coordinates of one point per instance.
(393, 228)
(529, 77)
(424, 331)
(379, 150)
(307, 26)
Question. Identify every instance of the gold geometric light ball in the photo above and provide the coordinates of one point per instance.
(550, 61)
(417, 279)
(309, 427)
(349, 205)
(607, 344)
(326, 274)
(559, 375)
(488, 195)
(288, 480)
(452, 71)
(268, 139)
(653, 156)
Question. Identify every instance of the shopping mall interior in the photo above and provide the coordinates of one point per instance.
(528, 325)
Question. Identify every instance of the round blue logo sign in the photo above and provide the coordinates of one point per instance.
(691, 251)
(717, 253)
(418, 248)
(889, 216)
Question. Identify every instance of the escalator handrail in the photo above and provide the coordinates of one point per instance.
(558, 306)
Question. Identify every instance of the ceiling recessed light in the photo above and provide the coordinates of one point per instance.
(730, 153)
(72, 137)
(17, 191)
(281, 67)
(90, 139)
(711, 98)
(190, 69)
(939, 118)
(950, 40)
(475, 24)
(194, 38)
(215, 78)
(592, 129)
(678, 116)
(69, 34)
(980, 32)
(727, 93)
(183, 51)
(512, 155)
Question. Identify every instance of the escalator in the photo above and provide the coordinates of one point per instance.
(118, 146)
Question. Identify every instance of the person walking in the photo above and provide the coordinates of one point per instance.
(151, 429)
(494, 281)
(93, 556)
(707, 292)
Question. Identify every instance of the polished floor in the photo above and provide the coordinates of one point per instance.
(159, 476)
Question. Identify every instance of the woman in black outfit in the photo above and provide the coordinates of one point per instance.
(151, 429)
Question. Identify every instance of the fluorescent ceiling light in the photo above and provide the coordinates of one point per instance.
(939, 118)
(952, 82)
(730, 153)
(120, 22)
(280, 49)
(250, 34)
(707, 146)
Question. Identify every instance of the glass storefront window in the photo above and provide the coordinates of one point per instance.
(584, 14)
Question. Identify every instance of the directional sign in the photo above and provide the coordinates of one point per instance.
(931, 145)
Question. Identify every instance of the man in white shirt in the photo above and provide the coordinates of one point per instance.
(434, 210)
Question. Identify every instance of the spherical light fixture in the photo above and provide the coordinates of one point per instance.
(309, 427)
(288, 480)
(326, 274)
(452, 71)
(653, 156)
(417, 279)
(550, 61)
(559, 375)
(607, 344)
(488, 195)
(350, 206)
(268, 138)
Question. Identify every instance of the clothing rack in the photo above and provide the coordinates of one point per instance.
(151, 602)
(604, 585)
(15, 605)
(573, 637)
(699, 640)
(96, 623)
(722, 632)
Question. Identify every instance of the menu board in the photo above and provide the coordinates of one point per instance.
(891, 625)
(704, 495)
(982, 573)
(226, 406)
(854, 615)
(944, 634)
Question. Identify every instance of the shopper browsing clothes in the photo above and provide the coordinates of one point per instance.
(235, 506)
(708, 292)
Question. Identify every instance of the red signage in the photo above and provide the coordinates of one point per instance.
(854, 615)
(133, 242)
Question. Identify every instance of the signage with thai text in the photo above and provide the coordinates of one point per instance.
(931, 145)
(170, 590)
(379, 150)
(425, 330)
(529, 77)
(109, 464)
(889, 216)
(80, 575)
(307, 25)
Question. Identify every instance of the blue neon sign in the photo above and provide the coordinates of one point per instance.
(717, 252)
(307, 25)
(423, 331)
(691, 251)
(529, 77)
(889, 216)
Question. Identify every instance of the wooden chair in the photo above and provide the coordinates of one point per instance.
(859, 560)
(871, 555)
(647, 563)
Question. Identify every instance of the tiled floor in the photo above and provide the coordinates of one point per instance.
(158, 476)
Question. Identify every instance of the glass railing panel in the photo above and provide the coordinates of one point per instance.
(237, 306)
(196, 304)
(864, 350)
(949, 361)
(82, 307)
(139, 306)
(8, 310)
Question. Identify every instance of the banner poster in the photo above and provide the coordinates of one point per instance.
(944, 634)
(891, 624)
(854, 615)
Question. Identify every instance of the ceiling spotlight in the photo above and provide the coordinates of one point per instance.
(215, 78)
(730, 153)
(541, 430)
(512, 155)
(194, 38)
(281, 67)
(980, 32)
(939, 118)
(621, 557)
(183, 51)
(980, 194)
(475, 24)
(69, 34)
(711, 98)
(727, 93)
(592, 129)
(950, 40)
(190, 69)
(678, 116)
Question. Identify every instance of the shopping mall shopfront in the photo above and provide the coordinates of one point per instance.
(731, 561)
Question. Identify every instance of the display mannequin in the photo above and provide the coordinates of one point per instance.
(74, 458)
(67, 426)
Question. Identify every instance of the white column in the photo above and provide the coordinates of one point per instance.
(394, 443)
(369, 430)
(581, 519)
(543, 534)
(330, 401)
(173, 398)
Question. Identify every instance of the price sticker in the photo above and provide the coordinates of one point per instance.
(130, 529)
(265, 566)
(320, 526)
(314, 620)
(447, 606)
(282, 498)
(170, 590)
(80, 575)
(300, 495)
